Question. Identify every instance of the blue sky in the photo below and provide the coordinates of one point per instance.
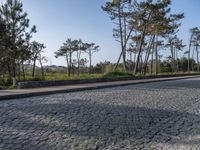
(57, 20)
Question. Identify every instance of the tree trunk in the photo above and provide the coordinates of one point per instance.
(124, 47)
(9, 72)
(23, 71)
(141, 64)
(141, 45)
(134, 58)
(42, 69)
(152, 60)
(122, 40)
(193, 59)
(118, 62)
(90, 59)
(190, 45)
(130, 63)
(19, 71)
(197, 58)
(14, 74)
(148, 54)
(67, 59)
(78, 62)
(70, 64)
(156, 55)
(140, 50)
(173, 63)
(33, 71)
(177, 65)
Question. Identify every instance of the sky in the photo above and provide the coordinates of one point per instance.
(57, 20)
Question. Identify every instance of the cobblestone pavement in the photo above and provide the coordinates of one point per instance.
(162, 115)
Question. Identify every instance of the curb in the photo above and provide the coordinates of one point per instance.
(132, 82)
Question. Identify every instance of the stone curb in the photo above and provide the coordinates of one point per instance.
(91, 87)
(43, 84)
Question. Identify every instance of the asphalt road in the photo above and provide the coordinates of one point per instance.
(161, 115)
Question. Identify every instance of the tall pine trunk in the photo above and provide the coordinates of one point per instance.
(148, 54)
(156, 55)
(42, 69)
(190, 45)
(197, 58)
(90, 59)
(33, 71)
(23, 71)
(140, 50)
(14, 73)
(141, 44)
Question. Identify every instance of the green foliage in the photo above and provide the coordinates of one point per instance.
(2, 87)
(17, 38)
(100, 67)
(108, 68)
(76, 46)
(62, 76)
(12, 87)
(117, 74)
(165, 66)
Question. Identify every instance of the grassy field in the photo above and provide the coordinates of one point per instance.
(63, 76)
(59, 76)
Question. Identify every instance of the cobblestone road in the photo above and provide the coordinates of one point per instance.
(163, 115)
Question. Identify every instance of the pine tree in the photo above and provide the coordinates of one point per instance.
(17, 24)
(120, 12)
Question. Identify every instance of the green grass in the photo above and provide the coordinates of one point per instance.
(60, 76)
(111, 75)
(12, 87)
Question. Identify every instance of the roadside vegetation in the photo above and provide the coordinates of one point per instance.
(146, 30)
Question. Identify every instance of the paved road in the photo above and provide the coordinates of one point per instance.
(162, 115)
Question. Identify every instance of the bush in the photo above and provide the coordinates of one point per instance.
(12, 87)
(108, 68)
(2, 88)
(117, 74)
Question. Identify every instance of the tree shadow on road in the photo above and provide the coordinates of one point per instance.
(177, 84)
(78, 121)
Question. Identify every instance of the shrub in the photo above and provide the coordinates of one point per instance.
(117, 74)
(108, 68)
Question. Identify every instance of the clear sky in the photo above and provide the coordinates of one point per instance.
(57, 20)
